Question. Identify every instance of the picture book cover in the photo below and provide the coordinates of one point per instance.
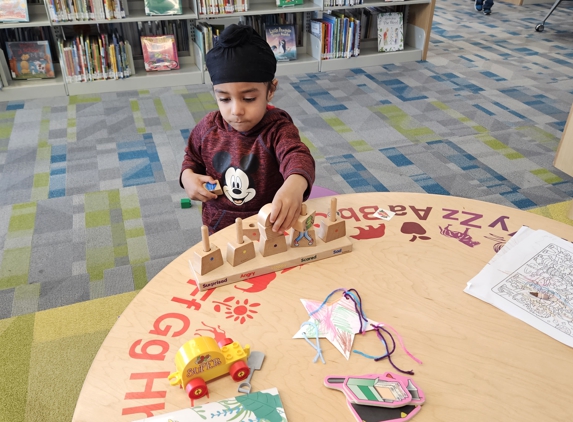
(263, 405)
(14, 11)
(163, 7)
(390, 31)
(287, 3)
(30, 60)
(282, 39)
(159, 52)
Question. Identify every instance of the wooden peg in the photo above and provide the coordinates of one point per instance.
(331, 229)
(239, 230)
(333, 209)
(243, 249)
(205, 239)
(210, 257)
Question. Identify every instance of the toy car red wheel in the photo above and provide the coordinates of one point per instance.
(196, 388)
(225, 342)
(239, 371)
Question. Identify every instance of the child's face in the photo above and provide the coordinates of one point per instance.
(243, 104)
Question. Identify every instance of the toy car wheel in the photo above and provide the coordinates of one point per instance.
(225, 341)
(239, 371)
(196, 388)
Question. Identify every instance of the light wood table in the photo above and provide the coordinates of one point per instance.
(479, 364)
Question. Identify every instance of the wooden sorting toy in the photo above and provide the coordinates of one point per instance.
(303, 231)
(210, 257)
(264, 215)
(243, 249)
(267, 259)
(251, 230)
(214, 187)
(270, 242)
(331, 229)
(276, 245)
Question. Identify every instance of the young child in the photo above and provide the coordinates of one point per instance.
(251, 148)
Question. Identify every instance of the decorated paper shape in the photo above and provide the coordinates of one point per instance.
(379, 397)
(384, 214)
(263, 405)
(383, 414)
(338, 322)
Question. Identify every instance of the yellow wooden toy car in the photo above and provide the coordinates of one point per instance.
(202, 359)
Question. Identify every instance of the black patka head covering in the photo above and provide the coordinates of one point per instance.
(241, 55)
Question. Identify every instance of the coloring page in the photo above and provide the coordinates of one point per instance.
(533, 281)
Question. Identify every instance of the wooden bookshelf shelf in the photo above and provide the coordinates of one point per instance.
(36, 14)
(418, 23)
(188, 74)
(37, 88)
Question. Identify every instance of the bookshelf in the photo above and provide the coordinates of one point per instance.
(40, 88)
(564, 155)
(418, 23)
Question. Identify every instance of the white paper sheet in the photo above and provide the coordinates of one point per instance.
(533, 281)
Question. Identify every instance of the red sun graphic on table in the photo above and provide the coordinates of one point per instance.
(234, 308)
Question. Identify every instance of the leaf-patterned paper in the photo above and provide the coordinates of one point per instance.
(262, 406)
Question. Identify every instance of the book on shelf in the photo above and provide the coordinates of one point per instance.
(163, 7)
(206, 34)
(287, 3)
(282, 39)
(30, 60)
(97, 57)
(4, 70)
(133, 31)
(390, 31)
(340, 34)
(14, 11)
(86, 10)
(338, 3)
(221, 7)
(159, 53)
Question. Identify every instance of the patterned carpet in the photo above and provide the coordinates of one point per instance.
(89, 198)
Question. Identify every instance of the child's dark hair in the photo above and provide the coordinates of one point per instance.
(271, 86)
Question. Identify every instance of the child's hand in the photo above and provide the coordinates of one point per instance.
(194, 188)
(287, 203)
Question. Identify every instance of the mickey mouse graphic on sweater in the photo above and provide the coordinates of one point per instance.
(250, 166)
(237, 184)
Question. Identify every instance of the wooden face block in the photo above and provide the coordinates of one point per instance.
(251, 230)
(331, 230)
(264, 215)
(274, 246)
(268, 233)
(303, 239)
(215, 188)
(203, 262)
(237, 254)
(304, 222)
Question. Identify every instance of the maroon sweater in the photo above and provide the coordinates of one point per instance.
(250, 166)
